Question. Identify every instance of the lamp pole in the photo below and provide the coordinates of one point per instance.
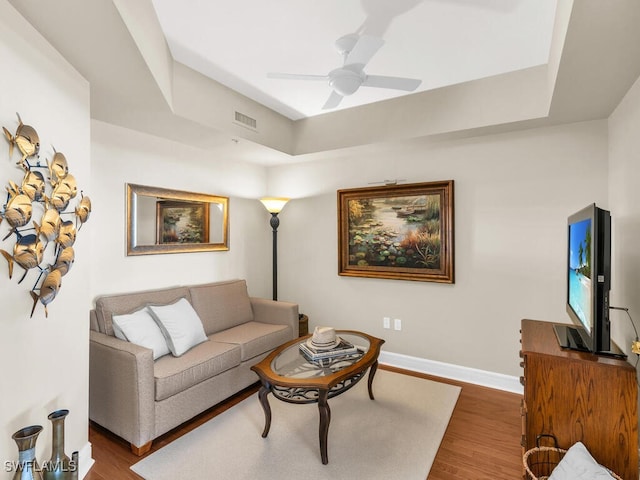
(274, 205)
(275, 222)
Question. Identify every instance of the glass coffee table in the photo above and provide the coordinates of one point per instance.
(291, 377)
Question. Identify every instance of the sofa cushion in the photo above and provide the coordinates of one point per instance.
(176, 374)
(109, 305)
(180, 325)
(221, 305)
(140, 328)
(255, 338)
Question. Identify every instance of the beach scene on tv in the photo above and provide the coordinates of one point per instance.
(395, 231)
(580, 270)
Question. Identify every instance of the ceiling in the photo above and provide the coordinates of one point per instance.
(486, 66)
(440, 42)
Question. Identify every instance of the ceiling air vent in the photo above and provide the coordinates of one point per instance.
(246, 121)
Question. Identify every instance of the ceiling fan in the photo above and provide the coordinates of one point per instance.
(356, 51)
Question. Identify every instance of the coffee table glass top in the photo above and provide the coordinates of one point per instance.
(292, 363)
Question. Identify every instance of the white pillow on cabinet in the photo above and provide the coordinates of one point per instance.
(140, 328)
(180, 325)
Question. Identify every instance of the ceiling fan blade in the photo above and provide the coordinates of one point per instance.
(297, 76)
(365, 48)
(396, 83)
(333, 101)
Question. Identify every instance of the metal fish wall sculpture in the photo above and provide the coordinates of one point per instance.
(58, 167)
(34, 213)
(26, 139)
(48, 290)
(27, 252)
(83, 210)
(18, 210)
(33, 185)
(65, 260)
(50, 226)
(63, 192)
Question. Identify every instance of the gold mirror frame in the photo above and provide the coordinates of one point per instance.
(163, 197)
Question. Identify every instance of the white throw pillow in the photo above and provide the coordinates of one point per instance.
(140, 328)
(578, 464)
(180, 324)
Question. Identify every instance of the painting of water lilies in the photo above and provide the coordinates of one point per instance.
(182, 222)
(397, 231)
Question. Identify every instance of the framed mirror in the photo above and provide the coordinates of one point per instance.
(160, 220)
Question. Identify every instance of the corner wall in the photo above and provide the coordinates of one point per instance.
(513, 193)
(624, 200)
(44, 361)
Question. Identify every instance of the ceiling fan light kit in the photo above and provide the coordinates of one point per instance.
(345, 81)
(356, 51)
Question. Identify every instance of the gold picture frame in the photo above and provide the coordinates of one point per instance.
(144, 220)
(400, 232)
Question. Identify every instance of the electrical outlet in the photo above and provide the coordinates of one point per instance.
(635, 347)
(386, 322)
(397, 324)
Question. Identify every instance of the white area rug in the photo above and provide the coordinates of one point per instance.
(395, 436)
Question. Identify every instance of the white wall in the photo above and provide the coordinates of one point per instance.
(43, 361)
(624, 199)
(120, 156)
(513, 193)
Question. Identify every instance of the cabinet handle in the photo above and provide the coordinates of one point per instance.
(522, 380)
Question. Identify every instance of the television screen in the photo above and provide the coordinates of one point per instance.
(588, 270)
(579, 282)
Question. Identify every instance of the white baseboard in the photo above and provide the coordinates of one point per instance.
(454, 372)
(85, 460)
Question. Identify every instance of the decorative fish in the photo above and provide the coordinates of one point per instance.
(28, 252)
(58, 167)
(63, 192)
(50, 224)
(48, 290)
(65, 260)
(26, 139)
(33, 185)
(67, 234)
(83, 210)
(19, 209)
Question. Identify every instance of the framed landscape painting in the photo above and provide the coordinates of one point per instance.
(400, 232)
(182, 222)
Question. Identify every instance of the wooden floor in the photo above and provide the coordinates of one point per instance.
(482, 441)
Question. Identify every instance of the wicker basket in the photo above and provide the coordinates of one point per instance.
(539, 462)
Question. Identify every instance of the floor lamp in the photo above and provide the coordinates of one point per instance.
(274, 206)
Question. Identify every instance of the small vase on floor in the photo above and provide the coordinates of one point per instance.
(27, 466)
(58, 467)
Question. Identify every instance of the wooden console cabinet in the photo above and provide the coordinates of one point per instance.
(578, 396)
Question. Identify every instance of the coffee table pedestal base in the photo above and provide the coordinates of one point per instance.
(298, 395)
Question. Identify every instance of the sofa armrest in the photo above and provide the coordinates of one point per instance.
(121, 388)
(279, 313)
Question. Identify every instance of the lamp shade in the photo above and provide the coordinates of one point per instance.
(274, 204)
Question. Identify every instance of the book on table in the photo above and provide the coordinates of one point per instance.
(343, 348)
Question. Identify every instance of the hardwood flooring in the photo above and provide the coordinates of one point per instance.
(482, 441)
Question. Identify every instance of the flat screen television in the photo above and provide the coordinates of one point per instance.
(588, 282)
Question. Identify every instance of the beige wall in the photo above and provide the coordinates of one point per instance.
(624, 200)
(513, 193)
(43, 361)
(120, 156)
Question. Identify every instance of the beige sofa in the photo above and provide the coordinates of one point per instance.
(139, 398)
